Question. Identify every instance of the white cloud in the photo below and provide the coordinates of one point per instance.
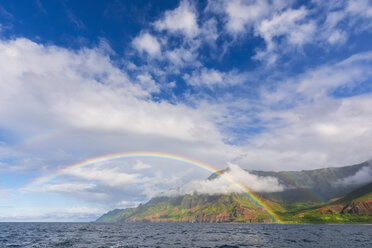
(306, 127)
(182, 20)
(145, 42)
(242, 16)
(343, 18)
(286, 28)
(209, 32)
(141, 166)
(60, 188)
(279, 25)
(85, 106)
(79, 213)
(103, 111)
(319, 83)
(221, 185)
(360, 8)
(181, 57)
(206, 77)
(83, 90)
(211, 78)
(127, 204)
(82, 191)
(111, 176)
(178, 54)
(290, 24)
(148, 83)
(337, 36)
(362, 176)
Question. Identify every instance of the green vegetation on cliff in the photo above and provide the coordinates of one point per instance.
(354, 208)
(195, 208)
(319, 199)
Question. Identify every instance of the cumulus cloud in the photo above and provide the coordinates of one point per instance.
(220, 185)
(99, 109)
(286, 27)
(145, 42)
(242, 15)
(301, 132)
(89, 92)
(362, 176)
(148, 83)
(181, 20)
(97, 98)
(181, 57)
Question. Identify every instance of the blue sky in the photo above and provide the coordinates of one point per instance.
(266, 85)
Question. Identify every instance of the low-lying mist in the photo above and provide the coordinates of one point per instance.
(221, 185)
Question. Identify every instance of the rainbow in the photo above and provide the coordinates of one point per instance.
(306, 191)
(110, 157)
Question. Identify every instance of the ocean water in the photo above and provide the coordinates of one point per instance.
(182, 235)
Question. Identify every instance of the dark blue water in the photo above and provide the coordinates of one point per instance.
(182, 235)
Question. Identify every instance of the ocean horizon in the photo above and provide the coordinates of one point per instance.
(141, 234)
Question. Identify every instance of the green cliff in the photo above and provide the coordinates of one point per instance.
(313, 196)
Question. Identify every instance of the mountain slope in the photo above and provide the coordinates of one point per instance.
(359, 201)
(196, 208)
(307, 199)
(355, 207)
(316, 186)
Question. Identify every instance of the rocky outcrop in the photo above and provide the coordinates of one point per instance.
(363, 207)
(331, 209)
(353, 207)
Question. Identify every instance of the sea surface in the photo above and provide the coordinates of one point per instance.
(182, 235)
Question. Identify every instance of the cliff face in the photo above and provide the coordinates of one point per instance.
(240, 208)
(317, 186)
(195, 208)
(363, 207)
(295, 204)
(355, 207)
(331, 209)
(238, 213)
(358, 201)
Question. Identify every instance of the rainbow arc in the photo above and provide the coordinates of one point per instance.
(117, 156)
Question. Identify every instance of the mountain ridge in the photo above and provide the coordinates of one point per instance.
(308, 198)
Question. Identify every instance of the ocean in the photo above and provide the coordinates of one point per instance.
(183, 235)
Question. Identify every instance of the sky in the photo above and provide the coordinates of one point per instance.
(264, 85)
